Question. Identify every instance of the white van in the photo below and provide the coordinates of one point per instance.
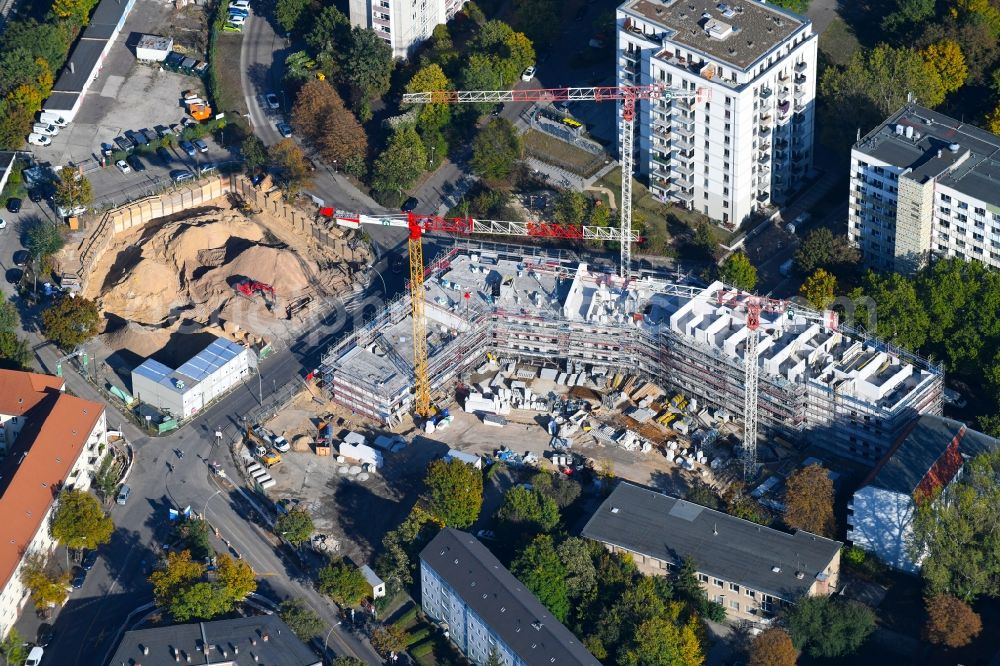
(52, 118)
(36, 139)
(42, 128)
(34, 657)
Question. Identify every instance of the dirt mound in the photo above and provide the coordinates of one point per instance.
(145, 295)
(139, 340)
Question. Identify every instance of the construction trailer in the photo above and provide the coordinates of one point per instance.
(850, 394)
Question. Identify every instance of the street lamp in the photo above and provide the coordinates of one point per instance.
(204, 507)
(328, 637)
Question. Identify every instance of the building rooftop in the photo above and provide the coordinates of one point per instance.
(80, 66)
(736, 32)
(502, 602)
(22, 391)
(657, 525)
(61, 101)
(230, 643)
(935, 146)
(38, 465)
(155, 42)
(925, 455)
(202, 365)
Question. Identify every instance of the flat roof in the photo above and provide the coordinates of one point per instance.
(514, 614)
(86, 54)
(110, 12)
(736, 32)
(956, 154)
(61, 101)
(157, 646)
(196, 370)
(670, 529)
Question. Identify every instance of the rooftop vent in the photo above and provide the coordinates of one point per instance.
(953, 147)
(776, 569)
(900, 129)
(537, 625)
(614, 509)
(718, 29)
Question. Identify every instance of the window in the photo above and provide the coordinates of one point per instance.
(751, 593)
(703, 578)
(945, 198)
(718, 582)
(963, 205)
(733, 587)
(735, 605)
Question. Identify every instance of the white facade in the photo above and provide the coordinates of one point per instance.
(403, 24)
(945, 171)
(882, 523)
(746, 142)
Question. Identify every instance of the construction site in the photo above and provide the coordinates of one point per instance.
(514, 329)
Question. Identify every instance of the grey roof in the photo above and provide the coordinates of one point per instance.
(7, 158)
(464, 563)
(906, 464)
(667, 528)
(110, 12)
(85, 57)
(244, 634)
(154, 371)
(756, 27)
(956, 154)
(61, 101)
(210, 359)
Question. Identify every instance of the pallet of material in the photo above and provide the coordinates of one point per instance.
(494, 420)
(526, 372)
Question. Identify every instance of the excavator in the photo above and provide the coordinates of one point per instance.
(250, 288)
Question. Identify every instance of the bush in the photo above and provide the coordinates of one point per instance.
(854, 555)
(423, 649)
(407, 618)
(418, 636)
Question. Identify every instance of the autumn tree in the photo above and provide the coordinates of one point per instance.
(399, 165)
(14, 648)
(235, 580)
(70, 321)
(542, 572)
(295, 526)
(254, 154)
(343, 582)
(80, 522)
(739, 272)
(948, 61)
(454, 492)
(320, 116)
(177, 574)
(951, 622)
(76, 10)
(48, 590)
(429, 79)
(992, 120)
(302, 619)
(662, 641)
(289, 159)
(773, 647)
(182, 587)
(388, 639)
(809, 500)
(819, 288)
(73, 190)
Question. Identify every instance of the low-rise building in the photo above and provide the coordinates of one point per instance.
(929, 457)
(376, 584)
(487, 609)
(185, 391)
(261, 639)
(751, 570)
(153, 48)
(52, 445)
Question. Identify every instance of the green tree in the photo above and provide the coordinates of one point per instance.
(497, 150)
(388, 639)
(14, 648)
(797, 6)
(494, 658)
(178, 573)
(400, 164)
(528, 509)
(539, 19)
(908, 13)
(542, 572)
(290, 13)
(14, 351)
(368, 63)
(80, 522)
(295, 526)
(821, 249)
(819, 289)
(289, 159)
(510, 52)
(660, 642)
(702, 493)
(302, 619)
(48, 590)
(73, 190)
(454, 492)
(428, 79)
(581, 574)
(43, 239)
(739, 272)
(70, 321)
(570, 207)
(235, 579)
(193, 533)
(348, 661)
(829, 627)
(560, 488)
(479, 73)
(343, 583)
(902, 319)
(331, 30)
(704, 240)
(106, 477)
(199, 601)
(254, 154)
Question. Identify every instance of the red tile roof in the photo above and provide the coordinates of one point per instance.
(21, 391)
(36, 467)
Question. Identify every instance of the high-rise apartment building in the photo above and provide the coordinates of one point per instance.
(923, 185)
(746, 142)
(403, 24)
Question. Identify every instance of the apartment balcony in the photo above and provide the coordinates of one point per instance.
(766, 117)
(686, 154)
(800, 68)
(683, 142)
(781, 144)
(784, 93)
(660, 179)
(663, 160)
(685, 131)
(630, 56)
(799, 94)
(630, 68)
(800, 79)
(682, 115)
(687, 196)
(764, 147)
(799, 107)
(381, 21)
(764, 131)
(762, 197)
(766, 93)
(682, 169)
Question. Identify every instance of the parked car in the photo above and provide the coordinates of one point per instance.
(497, 110)
(45, 635)
(236, 11)
(236, 20)
(200, 145)
(281, 444)
(208, 167)
(187, 148)
(3, 224)
(284, 129)
(138, 137)
(163, 130)
(528, 74)
(409, 205)
(135, 163)
(272, 101)
(180, 175)
(39, 139)
(124, 142)
(14, 205)
(125, 491)
(123, 166)
(79, 579)
(36, 195)
(164, 155)
(89, 560)
(34, 656)
(240, 4)
(52, 118)
(21, 258)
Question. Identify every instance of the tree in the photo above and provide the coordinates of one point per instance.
(235, 579)
(180, 586)
(14, 351)
(454, 493)
(819, 289)
(702, 493)
(321, 117)
(581, 574)
(992, 120)
(901, 317)
(43, 239)
(528, 509)
(509, 52)
(539, 19)
(198, 601)
(908, 13)
(494, 658)
(388, 639)
(479, 73)
(331, 29)
(70, 321)
(954, 533)
(542, 572)
(254, 154)
(291, 161)
(560, 488)
(401, 163)
(78, 11)
(80, 522)
(739, 272)
(295, 526)
(497, 150)
(14, 648)
(368, 63)
(427, 79)
(193, 533)
(829, 627)
(301, 619)
(821, 249)
(948, 61)
(47, 589)
(178, 573)
(951, 622)
(809, 500)
(570, 207)
(106, 477)
(73, 190)
(343, 583)
(660, 642)
(348, 661)
(289, 13)
(773, 647)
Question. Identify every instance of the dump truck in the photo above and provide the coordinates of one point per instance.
(267, 458)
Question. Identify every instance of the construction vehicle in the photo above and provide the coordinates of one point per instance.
(198, 109)
(250, 288)
(266, 457)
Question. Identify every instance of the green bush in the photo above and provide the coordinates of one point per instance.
(418, 636)
(407, 618)
(423, 649)
(854, 555)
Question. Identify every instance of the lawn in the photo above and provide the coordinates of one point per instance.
(561, 154)
(425, 642)
(838, 43)
(230, 87)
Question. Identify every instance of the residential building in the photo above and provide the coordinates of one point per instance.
(403, 24)
(53, 445)
(183, 392)
(745, 143)
(259, 639)
(927, 458)
(924, 185)
(751, 570)
(845, 392)
(486, 609)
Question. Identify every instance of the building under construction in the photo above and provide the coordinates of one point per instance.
(846, 393)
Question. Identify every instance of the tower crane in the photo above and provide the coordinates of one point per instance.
(755, 306)
(418, 225)
(627, 95)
